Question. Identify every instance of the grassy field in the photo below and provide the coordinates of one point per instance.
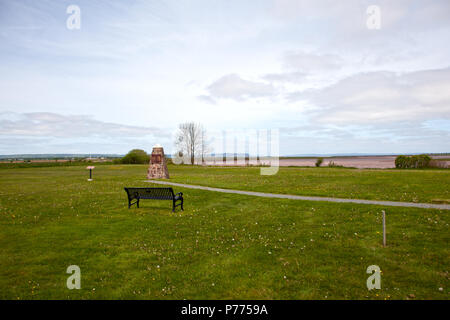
(222, 245)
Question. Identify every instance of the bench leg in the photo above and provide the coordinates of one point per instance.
(182, 209)
(130, 203)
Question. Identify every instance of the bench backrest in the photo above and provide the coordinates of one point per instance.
(150, 193)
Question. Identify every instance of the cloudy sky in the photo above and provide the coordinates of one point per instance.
(313, 69)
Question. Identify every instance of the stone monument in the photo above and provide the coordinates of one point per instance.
(157, 168)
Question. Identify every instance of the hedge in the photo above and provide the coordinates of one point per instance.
(408, 162)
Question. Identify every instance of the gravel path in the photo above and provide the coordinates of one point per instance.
(309, 198)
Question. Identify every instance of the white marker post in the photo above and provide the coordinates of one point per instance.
(384, 228)
(90, 168)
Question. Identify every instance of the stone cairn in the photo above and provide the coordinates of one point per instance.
(157, 168)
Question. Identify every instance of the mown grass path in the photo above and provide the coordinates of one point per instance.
(294, 197)
(417, 186)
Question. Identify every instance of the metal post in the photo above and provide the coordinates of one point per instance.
(384, 228)
(90, 168)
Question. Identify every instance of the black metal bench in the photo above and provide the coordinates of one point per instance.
(154, 194)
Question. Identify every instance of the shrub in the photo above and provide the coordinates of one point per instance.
(319, 162)
(402, 162)
(437, 164)
(421, 161)
(136, 156)
(416, 162)
(333, 164)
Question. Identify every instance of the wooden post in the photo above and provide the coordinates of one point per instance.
(90, 168)
(384, 228)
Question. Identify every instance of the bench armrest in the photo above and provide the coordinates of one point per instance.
(179, 193)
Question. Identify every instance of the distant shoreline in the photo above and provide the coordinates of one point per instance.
(68, 156)
(359, 161)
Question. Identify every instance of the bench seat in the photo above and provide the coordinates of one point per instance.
(154, 194)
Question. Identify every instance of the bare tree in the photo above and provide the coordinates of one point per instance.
(189, 140)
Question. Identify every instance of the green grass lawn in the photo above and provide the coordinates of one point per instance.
(222, 245)
(371, 184)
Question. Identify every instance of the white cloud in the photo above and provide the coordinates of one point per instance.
(206, 99)
(311, 62)
(45, 132)
(286, 77)
(46, 124)
(234, 87)
(382, 97)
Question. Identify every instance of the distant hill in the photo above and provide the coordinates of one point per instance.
(59, 156)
